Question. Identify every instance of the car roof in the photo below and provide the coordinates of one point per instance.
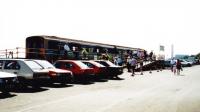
(67, 60)
(94, 63)
(64, 60)
(6, 75)
(15, 59)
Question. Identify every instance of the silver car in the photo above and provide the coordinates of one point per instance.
(26, 70)
(57, 75)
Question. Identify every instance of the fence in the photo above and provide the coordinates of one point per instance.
(17, 52)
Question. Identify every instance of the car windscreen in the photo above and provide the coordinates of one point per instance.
(82, 65)
(103, 63)
(110, 63)
(45, 64)
(89, 64)
(97, 64)
(33, 65)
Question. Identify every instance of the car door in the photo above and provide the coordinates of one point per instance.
(1, 65)
(11, 66)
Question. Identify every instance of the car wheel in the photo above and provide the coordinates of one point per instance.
(22, 84)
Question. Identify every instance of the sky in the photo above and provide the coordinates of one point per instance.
(143, 24)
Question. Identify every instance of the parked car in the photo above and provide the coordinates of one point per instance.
(7, 80)
(27, 71)
(57, 75)
(79, 69)
(167, 63)
(186, 63)
(192, 59)
(112, 70)
(99, 69)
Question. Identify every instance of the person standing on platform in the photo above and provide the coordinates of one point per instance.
(178, 66)
(133, 64)
(141, 66)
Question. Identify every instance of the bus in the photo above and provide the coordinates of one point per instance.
(54, 48)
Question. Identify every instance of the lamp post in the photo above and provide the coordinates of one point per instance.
(6, 53)
(172, 50)
(17, 48)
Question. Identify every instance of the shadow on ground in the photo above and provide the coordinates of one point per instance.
(8, 95)
(101, 80)
(117, 78)
(57, 85)
(29, 90)
(83, 82)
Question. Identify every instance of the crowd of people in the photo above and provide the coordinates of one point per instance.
(136, 61)
(133, 63)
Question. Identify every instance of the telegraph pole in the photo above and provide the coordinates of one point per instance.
(172, 50)
(17, 48)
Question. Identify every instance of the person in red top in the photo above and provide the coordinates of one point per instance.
(178, 66)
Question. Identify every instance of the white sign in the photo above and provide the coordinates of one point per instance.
(66, 47)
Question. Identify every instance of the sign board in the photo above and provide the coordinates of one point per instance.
(162, 48)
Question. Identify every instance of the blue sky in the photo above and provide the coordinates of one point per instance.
(136, 23)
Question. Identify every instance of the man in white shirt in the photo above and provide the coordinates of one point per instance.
(172, 63)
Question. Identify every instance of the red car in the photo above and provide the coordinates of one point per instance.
(79, 69)
(99, 69)
(57, 75)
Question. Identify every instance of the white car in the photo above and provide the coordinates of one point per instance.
(27, 71)
(186, 63)
(57, 75)
(6, 81)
